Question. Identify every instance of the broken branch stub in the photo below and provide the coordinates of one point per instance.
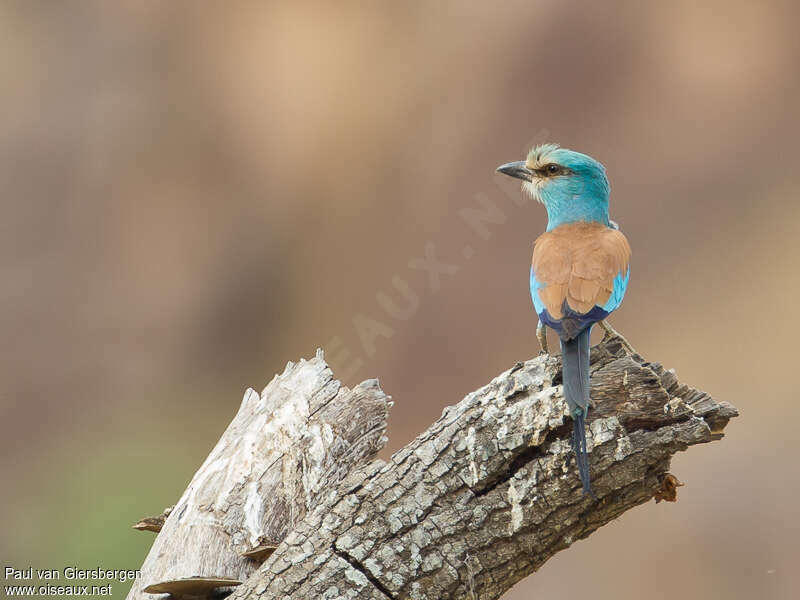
(285, 447)
(153, 524)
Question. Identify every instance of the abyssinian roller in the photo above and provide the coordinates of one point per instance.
(580, 267)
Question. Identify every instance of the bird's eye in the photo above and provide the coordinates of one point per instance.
(552, 169)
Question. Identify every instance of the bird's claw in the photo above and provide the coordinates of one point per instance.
(541, 335)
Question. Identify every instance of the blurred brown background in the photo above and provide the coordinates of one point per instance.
(194, 193)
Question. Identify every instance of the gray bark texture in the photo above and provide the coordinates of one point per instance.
(286, 446)
(489, 492)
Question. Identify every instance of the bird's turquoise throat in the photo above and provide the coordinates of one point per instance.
(563, 208)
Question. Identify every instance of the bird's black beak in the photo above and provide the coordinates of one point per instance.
(516, 169)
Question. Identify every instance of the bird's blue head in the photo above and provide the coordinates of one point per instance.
(572, 186)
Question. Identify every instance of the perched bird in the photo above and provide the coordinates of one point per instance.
(580, 267)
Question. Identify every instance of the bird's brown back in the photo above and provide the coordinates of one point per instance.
(577, 263)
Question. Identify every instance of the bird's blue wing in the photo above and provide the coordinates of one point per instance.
(538, 305)
(618, 293)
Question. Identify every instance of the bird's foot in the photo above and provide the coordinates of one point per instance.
(541, 335)
(610, 332)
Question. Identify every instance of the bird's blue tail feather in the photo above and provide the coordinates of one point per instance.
(575, 364)
(579, 447)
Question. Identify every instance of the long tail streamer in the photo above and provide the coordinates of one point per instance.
(579, 447)
(575, 361)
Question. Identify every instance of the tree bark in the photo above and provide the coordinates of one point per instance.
(295, 440)
(489, 492)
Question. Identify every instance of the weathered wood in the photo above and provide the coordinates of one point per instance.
(489, 492)
(285, 447)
